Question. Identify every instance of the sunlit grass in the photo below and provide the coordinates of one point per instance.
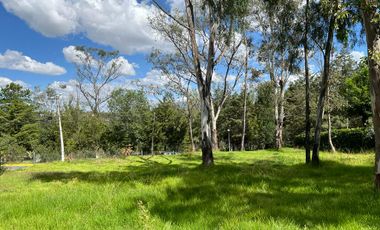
(250, 190)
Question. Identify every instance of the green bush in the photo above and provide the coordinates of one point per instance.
(15, 152)
(346, 140)
(46, 154)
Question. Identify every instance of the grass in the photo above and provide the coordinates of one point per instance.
(251, 190)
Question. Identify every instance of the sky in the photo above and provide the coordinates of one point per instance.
(37, 38)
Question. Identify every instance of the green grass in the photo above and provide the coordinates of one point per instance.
(251, 190)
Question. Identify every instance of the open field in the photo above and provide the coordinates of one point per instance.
(251, 190)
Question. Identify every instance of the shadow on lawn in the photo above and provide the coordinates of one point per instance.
(306, 196)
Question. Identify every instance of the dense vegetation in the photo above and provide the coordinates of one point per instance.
(132, 121)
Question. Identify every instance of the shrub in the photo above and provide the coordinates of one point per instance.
(346, 140)
(15, 152)
(46, 153)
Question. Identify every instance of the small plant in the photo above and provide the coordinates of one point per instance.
(126, 151)
(144, 216)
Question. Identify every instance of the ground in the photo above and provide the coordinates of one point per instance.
(250, 190)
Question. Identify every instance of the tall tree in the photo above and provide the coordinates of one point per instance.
(209, 39)
(332, 9)
(96, 68)
(307, 85)
(371, 20)
(280, 50)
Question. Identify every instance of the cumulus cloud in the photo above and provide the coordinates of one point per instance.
(122, 24)
(154, 78)
(4, 81)
(75, 56)
(15, 60)
(357, 55)
(72, 55)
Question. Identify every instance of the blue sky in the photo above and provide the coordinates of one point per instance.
(24, 30)
(41, 29)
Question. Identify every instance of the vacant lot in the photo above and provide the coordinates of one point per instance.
(251, 190)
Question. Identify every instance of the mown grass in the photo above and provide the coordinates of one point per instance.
(251, 190)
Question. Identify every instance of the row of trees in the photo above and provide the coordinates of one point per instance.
(136, 121)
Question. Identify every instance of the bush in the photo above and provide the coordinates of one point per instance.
(46, 153)
(346, 140)
(15, 152)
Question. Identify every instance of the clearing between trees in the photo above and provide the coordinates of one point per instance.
(264, 189)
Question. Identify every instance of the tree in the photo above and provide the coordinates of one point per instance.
(96, 68)
(214, 23)
(356, 91)
(279, 50)
(18, 118)
(330, 18)
(179, 82)
(342, 66)
(170, 125)
(131, 120)
(307, 85)
(371, 20)
(262, 123)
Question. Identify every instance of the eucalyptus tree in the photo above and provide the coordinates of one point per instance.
(204, 39)
(281, 36)
(307, 84)
(330, 18)
(370, 11)
(178, 80)
(96, 68)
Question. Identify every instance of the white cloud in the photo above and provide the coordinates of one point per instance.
(176, 5)
(75, 56)
(122, 24)
(357, 55)
(126, 68)
(4, 81)
(72, 55)
(154, 78)
(15, 60)
(68, 90)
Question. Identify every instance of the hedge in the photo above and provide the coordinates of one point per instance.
(346, 140)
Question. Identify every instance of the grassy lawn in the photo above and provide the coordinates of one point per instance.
(251, 190)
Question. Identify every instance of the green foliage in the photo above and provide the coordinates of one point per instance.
(294, 122)
(170, 125)
(19, 127)
(131, 122)
(347, 140)
(356, 92)
(263, 122)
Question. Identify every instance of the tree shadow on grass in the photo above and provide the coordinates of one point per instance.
(261, 190)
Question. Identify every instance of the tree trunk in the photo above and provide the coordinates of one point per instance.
(277, 117)
(206, 130)
(204, 84)
(60, 131)
(242, 147)
(152, 140)
(214, 119)
(307, 87)
(190, 120)
(323, 89)
(281, 112)
(329, 121)
(372, 29)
